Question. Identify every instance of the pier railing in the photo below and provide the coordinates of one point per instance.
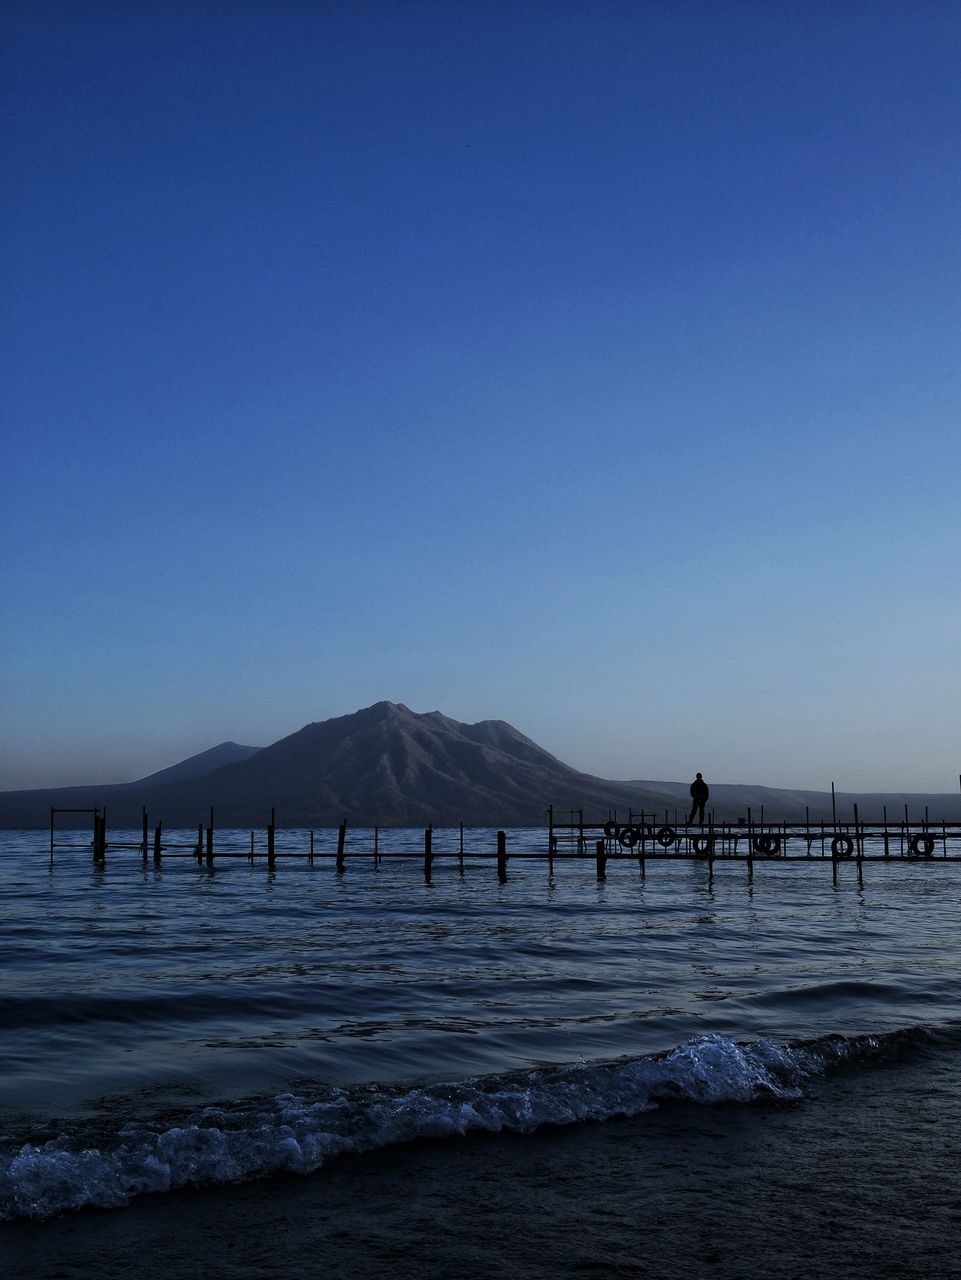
(643, 838)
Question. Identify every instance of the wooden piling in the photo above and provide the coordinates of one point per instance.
(311, 854)
(502, 855)
(199, 851)
(428, 852)
(157, 846)
(341, 841)
(710, 852)
(601, 860)
(99, 837)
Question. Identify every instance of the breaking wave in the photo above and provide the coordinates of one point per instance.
(297, 1133)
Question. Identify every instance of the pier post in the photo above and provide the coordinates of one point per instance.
(710, 851)
(199, 851)
(157, 847)
(502, 856)
(99, 836)
(271, 850)
(311, 854)
(341, 840)
(428, 852)
(601, 860)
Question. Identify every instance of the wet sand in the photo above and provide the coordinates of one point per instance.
(858, 1180)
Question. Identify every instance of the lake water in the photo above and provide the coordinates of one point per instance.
(184, 1027)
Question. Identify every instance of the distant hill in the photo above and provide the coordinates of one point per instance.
(198, 766)
(391, 766)
(26, 809)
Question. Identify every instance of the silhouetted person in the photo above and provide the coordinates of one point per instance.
(699, 794)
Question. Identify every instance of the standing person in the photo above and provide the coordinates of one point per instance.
(699, 794)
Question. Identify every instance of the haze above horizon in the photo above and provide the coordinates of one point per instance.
(589, 367)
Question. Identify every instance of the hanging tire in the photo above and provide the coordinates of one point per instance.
(762, 845)
(775, 845)
(842, 846)
(629, 837)
(922, 846)
(666, 836)
(703, 846)
(612, 830)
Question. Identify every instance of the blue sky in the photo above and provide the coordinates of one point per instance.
(590, 366)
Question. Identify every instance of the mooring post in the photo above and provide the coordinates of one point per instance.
(857, 832)
(341, 840)
(834, 807)
(601, 860)
(550, 855)
(710, 851)
(502, 856)
(550, 829)
(428, 851)
(199, 851)
(145, 833)
(157, 847)
(271, 849)
(311, 854)
(210, 840)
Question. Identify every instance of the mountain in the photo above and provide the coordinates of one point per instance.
(390, 766)
(198, 766)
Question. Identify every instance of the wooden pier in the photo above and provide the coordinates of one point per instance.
(644, 839)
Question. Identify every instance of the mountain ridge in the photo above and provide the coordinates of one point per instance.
(387, 765)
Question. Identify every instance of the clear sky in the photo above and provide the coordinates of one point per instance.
(591, 366)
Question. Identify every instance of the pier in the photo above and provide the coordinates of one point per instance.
(644, 839)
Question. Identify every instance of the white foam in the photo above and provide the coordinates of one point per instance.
(297, 1134)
